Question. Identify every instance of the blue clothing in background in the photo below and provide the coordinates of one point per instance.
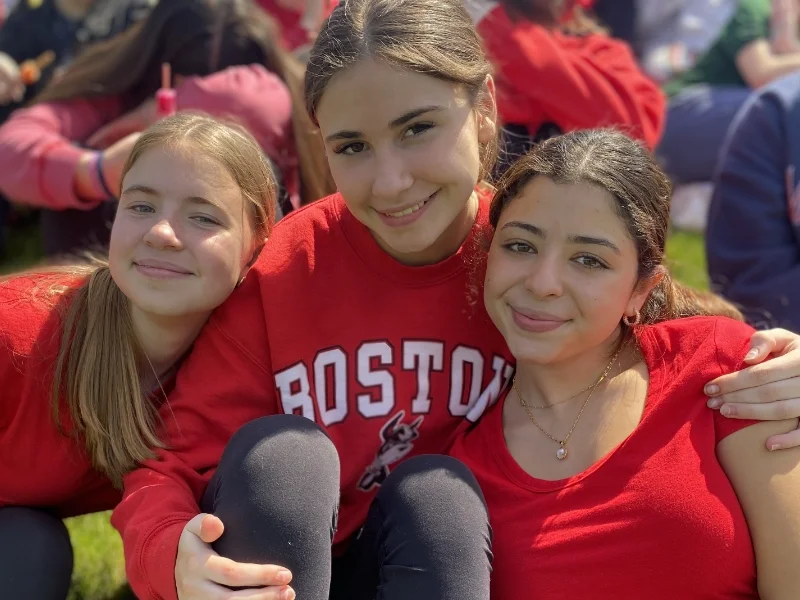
(753, 235)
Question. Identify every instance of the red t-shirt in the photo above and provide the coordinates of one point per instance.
(39, 466)
(656, 518)
(390, 360)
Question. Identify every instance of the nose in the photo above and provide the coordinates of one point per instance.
(391, 175)
(545, 277)
(163, 235)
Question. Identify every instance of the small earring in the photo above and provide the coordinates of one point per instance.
(632, 321)
(241, 281)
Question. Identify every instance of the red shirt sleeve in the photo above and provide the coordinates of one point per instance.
(732, 339)
(38, 155)
(224, 383)
(576, 82)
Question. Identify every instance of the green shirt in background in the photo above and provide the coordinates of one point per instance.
(717, 66)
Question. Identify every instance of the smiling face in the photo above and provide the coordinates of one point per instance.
(562, 271)
(181, 239)
(404, 151)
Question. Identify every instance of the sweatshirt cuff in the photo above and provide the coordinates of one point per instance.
(59, 164)
(156, 572)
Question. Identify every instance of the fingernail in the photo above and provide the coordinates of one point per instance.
(752, 354)
(714, 402)
(283, 576)
(728, 410)
(775, 447)
(287, 594)
(712, 389)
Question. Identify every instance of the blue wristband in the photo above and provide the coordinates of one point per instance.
(101, 178)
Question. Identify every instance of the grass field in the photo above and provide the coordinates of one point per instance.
(99, 573)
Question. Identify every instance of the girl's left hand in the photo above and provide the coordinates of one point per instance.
(765, 392)
(134, 121)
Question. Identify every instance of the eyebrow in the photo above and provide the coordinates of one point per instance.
(144, 189)
(398, 122)
(575, 239)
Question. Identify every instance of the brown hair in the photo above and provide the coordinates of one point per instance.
(551, 14)
(625, 169)
(100, 365)
(432, 37)
(196, 38)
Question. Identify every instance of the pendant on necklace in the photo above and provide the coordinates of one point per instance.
(561, 454)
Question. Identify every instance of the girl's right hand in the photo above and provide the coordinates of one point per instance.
(202, 573)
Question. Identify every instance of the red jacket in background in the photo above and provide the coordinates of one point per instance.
(40, 145)
(328, 326)
(293, 34)
(575, 82)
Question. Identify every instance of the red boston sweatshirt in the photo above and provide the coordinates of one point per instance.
(328, 326)
(39, 466)
(656, 518)
(576, 82)
(39, 146)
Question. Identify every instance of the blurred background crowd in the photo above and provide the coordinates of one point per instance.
(711, 86)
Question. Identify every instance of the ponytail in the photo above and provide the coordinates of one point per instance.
(673, 300)
(97, 374)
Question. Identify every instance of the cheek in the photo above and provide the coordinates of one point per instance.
(352, 180)
(605, 300)
(222, 262)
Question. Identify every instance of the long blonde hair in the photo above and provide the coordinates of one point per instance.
(99, 369)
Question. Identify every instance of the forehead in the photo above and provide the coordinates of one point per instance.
(575, 208)
(181, 170)
(370, 94)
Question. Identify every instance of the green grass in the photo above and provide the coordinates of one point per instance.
(99, 572)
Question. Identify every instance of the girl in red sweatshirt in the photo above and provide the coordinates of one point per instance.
(86, 354)
(557, 71)
(359, 344)
(226, 62)
(605, 474)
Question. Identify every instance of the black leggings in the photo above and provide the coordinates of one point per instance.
(426, 535)
(35, 555)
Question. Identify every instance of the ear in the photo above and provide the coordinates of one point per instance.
(642, 291)
(251, 262)
(487, 111)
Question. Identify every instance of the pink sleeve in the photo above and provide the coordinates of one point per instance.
(38, 151)
(249, 95)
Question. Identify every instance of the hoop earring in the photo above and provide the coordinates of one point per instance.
(632, 322)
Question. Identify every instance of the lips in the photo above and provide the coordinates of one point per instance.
(408, 209)
(535, 321)
(162, 265)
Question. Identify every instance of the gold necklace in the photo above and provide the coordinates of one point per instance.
(561, 453)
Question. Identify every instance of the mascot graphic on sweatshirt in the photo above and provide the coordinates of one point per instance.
(396, 438)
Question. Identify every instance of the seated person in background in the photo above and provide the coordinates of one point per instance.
(704, 98)
(38, 37)
(66, 151)
(753, 236)
(557, 71)
(50, 32)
